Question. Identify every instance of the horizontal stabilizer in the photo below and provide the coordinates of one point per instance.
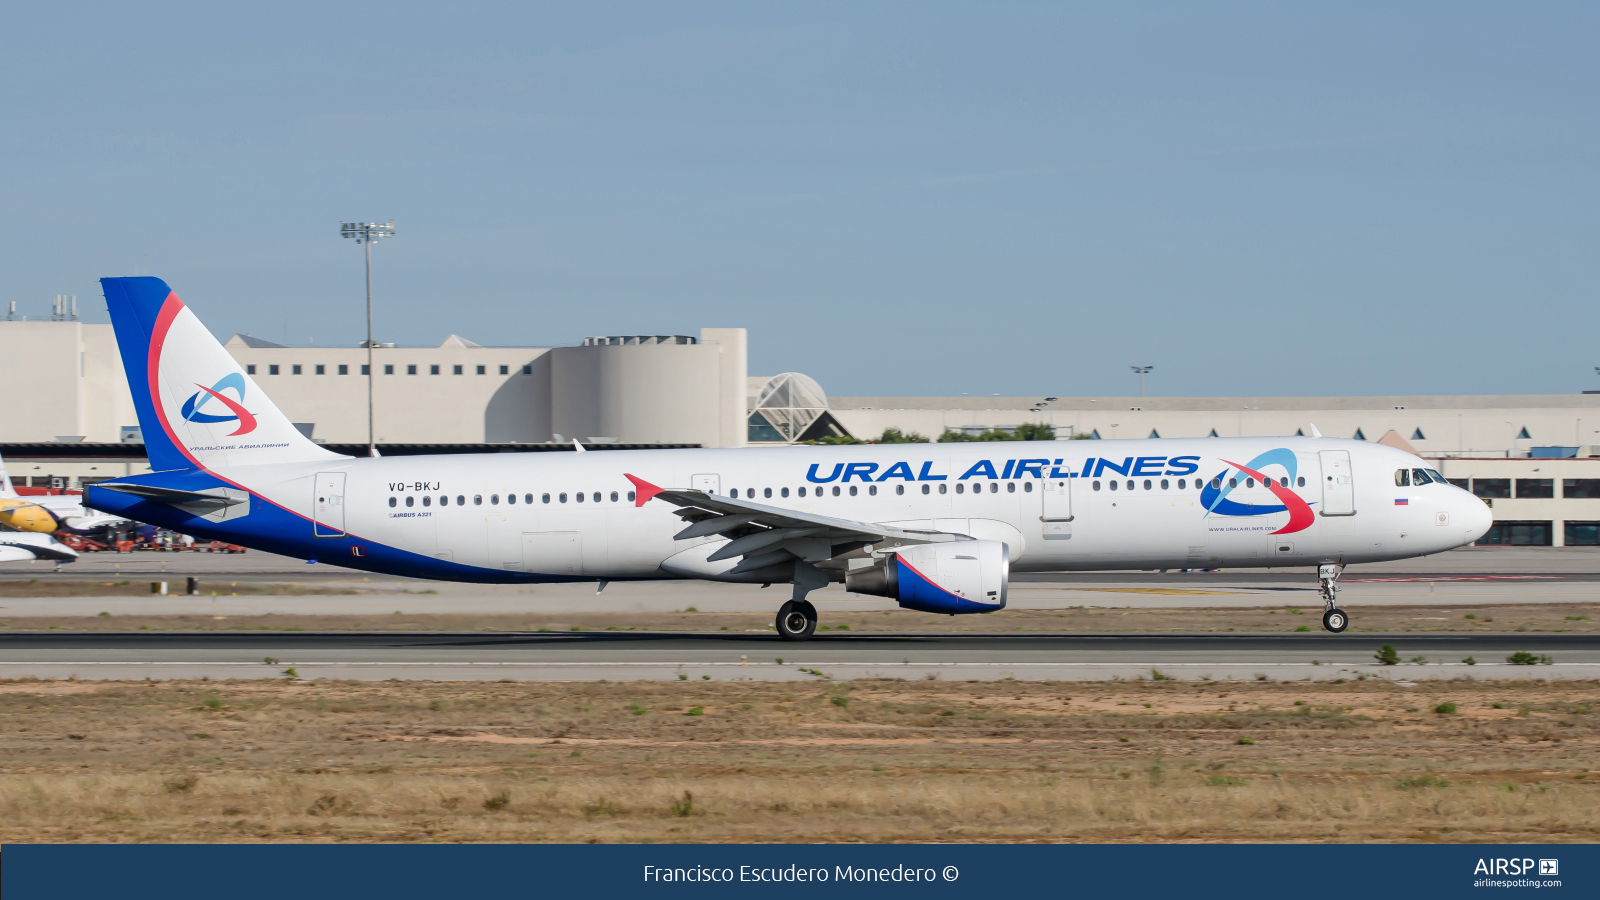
(173, 496)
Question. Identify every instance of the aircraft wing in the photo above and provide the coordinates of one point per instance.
(768, 535)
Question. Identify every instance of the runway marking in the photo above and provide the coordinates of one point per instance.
(1110, 590)
(1461, 578)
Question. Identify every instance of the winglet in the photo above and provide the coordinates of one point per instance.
(1314, 431)
(645, 491)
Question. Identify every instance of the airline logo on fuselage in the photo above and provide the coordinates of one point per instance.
(1214, 494)
(1140, 466)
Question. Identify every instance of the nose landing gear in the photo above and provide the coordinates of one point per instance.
(1333, 618)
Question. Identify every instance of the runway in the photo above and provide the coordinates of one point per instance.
(762, 657)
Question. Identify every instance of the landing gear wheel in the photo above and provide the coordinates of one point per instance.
(1335, 620)
(796, 620)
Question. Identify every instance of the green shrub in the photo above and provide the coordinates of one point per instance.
(683, 807)
(1246, 741)
(1445, 708)
(1387, 655)
(498, 801)
(1421, 781)
(696, 711)
(1524, 658)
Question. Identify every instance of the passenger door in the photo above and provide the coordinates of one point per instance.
(328, 505)
(1338, 483)
(1056, 512)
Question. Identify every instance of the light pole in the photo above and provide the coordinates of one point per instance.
(365, 233)
(1141, 371)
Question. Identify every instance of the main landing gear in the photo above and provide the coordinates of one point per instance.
(797, 619)
(1333, 618)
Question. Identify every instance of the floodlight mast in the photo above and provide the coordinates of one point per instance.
(1141, 371)
(365, 233)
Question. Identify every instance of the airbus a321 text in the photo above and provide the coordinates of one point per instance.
(937, 527)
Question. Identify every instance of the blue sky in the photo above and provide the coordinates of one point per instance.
(913, 199)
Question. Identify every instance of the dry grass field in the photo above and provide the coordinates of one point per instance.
(1551, 617)
(864, 761)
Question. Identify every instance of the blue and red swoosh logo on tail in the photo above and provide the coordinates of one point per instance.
(193, 405)
(1215, 499)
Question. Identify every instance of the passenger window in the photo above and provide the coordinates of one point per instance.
(444, 499)
(925, 489)
(766, 492)
(852, 490)
(1164, 484)
(630, 496)
(1419, 476)
(1130, 484)
(873, 490)
(613, 496)
(1216, 483)
(1147, 484)
(427, 501)
(511, 499)
(411, 501)
(562, 497)
(597, 496)
(1181, 485)
(545, 497)
(734, 493)
(994, 487)
(1027, 487)
(802, 492)
(1097, 485)
(494, 499)
(1011, 487)
(461, 500)
(944, 488)
(528, 498)
(1402, 478)
(960, 488)
(784, 491)
(578, 496)
(1233, 482)
(391, 501)
(1301, 481)
(1249, 482)
(1113, 484)
(836, 490)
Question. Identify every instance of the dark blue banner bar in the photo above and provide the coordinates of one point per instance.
(394, 872)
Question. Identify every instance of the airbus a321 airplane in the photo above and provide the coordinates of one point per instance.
(937, 527)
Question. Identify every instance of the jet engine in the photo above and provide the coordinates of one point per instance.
(950, 577)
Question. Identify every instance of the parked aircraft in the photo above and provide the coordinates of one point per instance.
(938, 527)
(19, 546)
(46, 514)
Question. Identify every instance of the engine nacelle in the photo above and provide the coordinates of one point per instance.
(950, 577)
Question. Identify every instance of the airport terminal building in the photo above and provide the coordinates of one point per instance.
(70, 418)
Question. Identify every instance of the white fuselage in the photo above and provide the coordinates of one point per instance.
(506, 513)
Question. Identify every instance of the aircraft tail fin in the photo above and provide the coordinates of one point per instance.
(197, 406)
(7, 492)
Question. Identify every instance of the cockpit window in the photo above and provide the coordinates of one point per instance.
(1437, 477)
(1419, 476)
(1402, 478)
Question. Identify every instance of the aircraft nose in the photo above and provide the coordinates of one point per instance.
(1477, 516)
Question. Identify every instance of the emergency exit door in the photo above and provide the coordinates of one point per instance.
(328, 520)
(1056, 513)
(1338, 483)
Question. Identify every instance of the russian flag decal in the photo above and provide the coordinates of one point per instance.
(1402, 501)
